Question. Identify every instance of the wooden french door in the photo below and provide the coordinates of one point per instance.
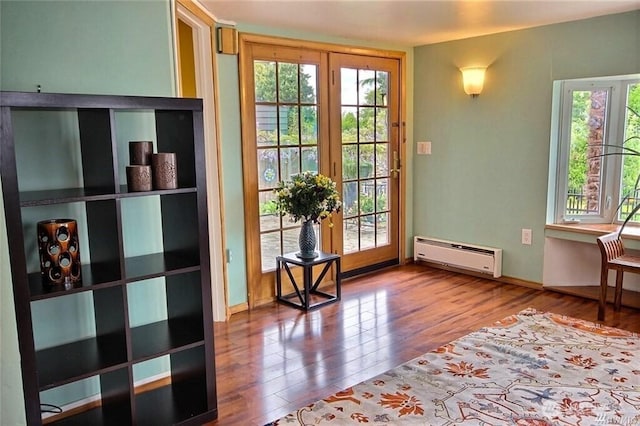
(285, 120)
(312, 110)
(365, 132)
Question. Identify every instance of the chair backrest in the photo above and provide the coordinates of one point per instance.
(610, 246)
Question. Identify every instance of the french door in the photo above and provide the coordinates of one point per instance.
(365, 133)
(336, 114)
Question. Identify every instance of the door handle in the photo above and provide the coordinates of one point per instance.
(395, 165)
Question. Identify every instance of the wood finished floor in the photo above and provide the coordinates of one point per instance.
(275, 358)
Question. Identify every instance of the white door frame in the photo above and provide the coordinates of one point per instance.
(205, 88)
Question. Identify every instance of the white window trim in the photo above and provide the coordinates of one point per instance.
(560, 144)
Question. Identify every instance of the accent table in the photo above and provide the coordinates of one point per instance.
(301, 297)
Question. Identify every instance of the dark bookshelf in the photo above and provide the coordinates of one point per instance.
(81, 359)
(163, 337)
(188, 393)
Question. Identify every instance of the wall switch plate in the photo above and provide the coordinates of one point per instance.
(424, 148)
(526, 236)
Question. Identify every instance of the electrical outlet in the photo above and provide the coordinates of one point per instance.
(526, 236)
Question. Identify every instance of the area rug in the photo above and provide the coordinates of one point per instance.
(532, 368)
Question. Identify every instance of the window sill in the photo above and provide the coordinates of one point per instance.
(588, 232)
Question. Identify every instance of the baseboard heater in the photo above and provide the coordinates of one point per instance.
(486, 260)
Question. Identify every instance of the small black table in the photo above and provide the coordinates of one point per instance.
(310, 287)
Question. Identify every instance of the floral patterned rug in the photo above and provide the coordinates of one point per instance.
(532, 368)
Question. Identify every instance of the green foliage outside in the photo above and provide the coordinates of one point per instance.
(269, 207)
(631, 159)
(290, 77)
(578, 155)
(632, 138)
(265, 83)
(373, 121)
(368, 123)
(579, 134)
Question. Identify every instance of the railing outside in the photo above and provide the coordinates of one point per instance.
(576, 202)
(577, 205)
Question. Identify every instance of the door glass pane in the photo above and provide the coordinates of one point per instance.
(382, 231)
(367, 84)
(309, 121)
(266, 125)
(351, 235)
(349, 162)
(367, 196)
(269, 217)
(265, 77)
(587, 132)
(289, 162)
(286, 143)
(350, 199)
(290, 238)
(288, 125)
(287, 82)
(309, 83)
(365, 156)
(382, 128)
(367, 231)
(267, 168)
(382, 188)
(382, 84)
(269, 244)
(382, 160)
(310, 159)
(366, 160)
(349, 84)
(630, 193)
(366, 124)
(349, 124)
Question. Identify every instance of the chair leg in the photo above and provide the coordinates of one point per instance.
(617, 299)
(603, 293)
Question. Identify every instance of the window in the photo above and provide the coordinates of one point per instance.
(597, 121)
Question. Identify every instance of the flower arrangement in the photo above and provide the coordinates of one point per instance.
(308, 196)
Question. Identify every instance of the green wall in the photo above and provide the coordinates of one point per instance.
(91, 46)
(100, 47)
(487, 176)
(231, 153)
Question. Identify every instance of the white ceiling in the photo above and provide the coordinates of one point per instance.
(411, 23)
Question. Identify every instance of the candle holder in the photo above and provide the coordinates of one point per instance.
(164, 170)
(139, 178)
(140, 153)
(59, 251)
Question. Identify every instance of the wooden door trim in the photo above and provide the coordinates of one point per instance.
(202, 18)
(321, 46)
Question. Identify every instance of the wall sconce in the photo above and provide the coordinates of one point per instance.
(473, 80)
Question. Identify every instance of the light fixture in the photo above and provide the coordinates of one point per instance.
(473, 80)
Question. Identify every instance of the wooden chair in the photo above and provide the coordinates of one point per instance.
(613, 257)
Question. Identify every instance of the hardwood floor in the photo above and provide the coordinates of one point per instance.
(275, 359)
